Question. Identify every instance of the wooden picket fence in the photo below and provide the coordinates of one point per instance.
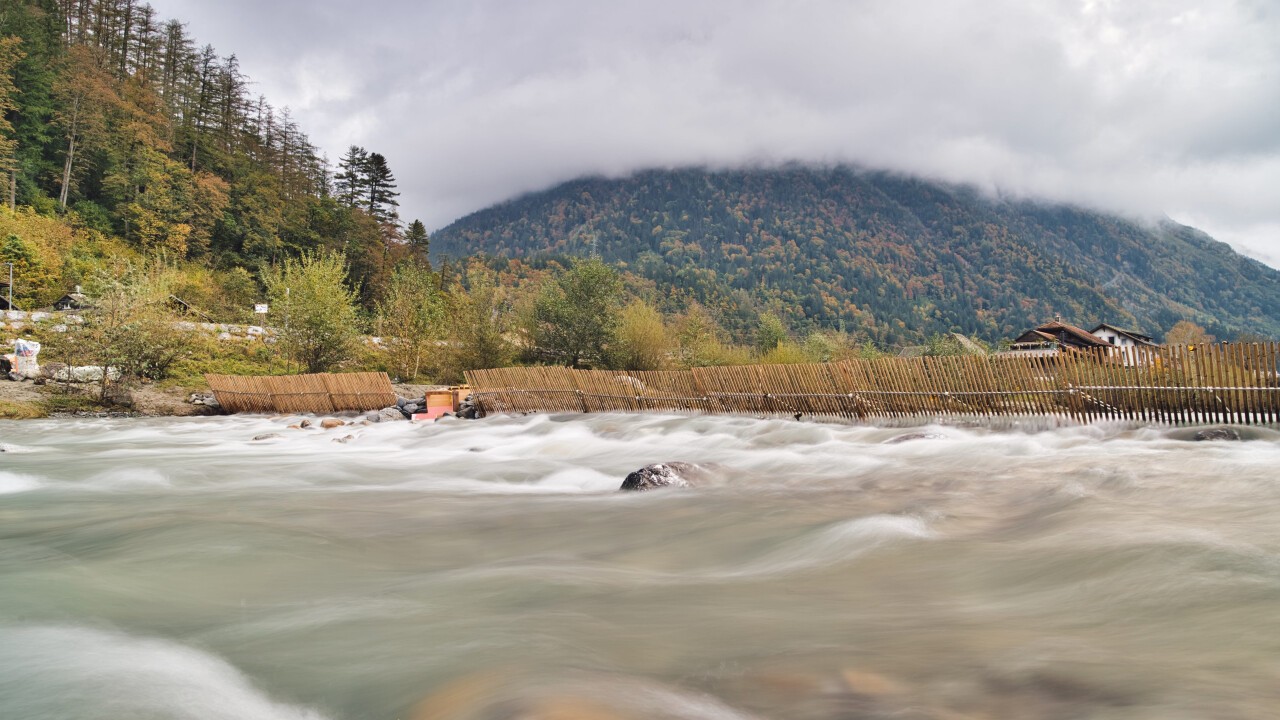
(1188, 384)
(312, 394)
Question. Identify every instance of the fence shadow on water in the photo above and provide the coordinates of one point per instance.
(1185, 384)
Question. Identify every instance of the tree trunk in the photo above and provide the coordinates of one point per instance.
(66, 171)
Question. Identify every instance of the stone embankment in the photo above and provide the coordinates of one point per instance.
(19, 320)
(60, 321)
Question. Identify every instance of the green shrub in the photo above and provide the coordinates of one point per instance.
(787, 353)
(642, 340)
(321, 329)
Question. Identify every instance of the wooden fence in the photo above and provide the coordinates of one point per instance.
(312, 394)
(1190, 384)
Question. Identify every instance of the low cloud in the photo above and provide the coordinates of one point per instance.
(1147, 108)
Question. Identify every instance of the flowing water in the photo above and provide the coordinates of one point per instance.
(488, 570)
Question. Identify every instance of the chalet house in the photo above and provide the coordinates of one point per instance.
(74, 300)
(1122, 338)
(1052, 337)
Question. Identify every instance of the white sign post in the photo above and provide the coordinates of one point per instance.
(260, 308)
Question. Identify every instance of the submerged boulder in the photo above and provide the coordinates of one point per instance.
(1217, 433)
(913, 436)
(668, 474)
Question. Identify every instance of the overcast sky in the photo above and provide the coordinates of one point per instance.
(1145, 106)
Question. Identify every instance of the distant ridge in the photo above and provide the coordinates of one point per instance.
(896, 257)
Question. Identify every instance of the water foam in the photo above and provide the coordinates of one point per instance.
(47, 670)
(11, 483)
(838, 543)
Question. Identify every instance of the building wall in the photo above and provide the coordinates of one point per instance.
(1115, 339)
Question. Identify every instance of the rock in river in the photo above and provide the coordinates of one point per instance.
(1217, 433)
(389, 414)
(913, 436)
(668, 474)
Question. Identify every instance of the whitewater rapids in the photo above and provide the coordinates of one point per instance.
(489, 570)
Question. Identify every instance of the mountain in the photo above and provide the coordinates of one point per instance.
(895, 257)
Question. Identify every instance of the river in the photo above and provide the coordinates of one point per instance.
(161, 569)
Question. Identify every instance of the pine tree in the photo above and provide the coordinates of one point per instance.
(416, 237)
(350, 183)
(381, 186)
(10, 54)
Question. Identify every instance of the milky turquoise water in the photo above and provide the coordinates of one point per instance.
(176, 568)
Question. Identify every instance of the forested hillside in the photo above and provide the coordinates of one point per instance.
(140, 164)
(895, 258)
(119, 125)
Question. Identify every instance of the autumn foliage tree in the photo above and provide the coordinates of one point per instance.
(86, 95)
(1185, 332)
(321, 329)
(411, 321)
(575, 317)
(642, 340)
(478, 326)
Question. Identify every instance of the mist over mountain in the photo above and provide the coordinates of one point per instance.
(895, 257)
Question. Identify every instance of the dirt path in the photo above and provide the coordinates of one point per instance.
(25, 399)
(148, 399)
(20, 392)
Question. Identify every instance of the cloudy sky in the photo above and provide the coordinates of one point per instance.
(1148, 107)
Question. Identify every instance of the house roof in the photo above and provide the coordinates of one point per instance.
(1034, 337)
(968, 344)
(1083, 336)
(73, 300)
(1059, 332)
(1131, 334)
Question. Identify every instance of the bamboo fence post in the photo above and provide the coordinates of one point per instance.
(1170, 385)
(1270, 370)
(1246, 381)
(1219, 381)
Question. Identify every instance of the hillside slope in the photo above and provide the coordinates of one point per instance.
(895, 257)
